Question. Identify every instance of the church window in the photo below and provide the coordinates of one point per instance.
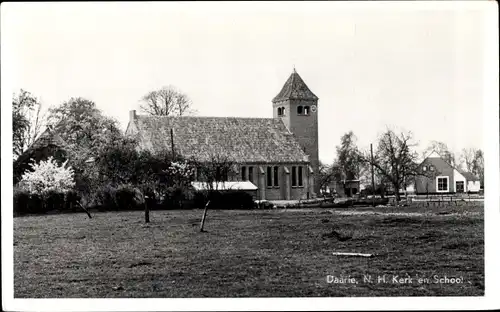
(300, 176)
(250, 174)
(294, 176)
(283, 111)
(243, 173)
(306, 110)
(280, 111)
(276, 176)
(269, 177)
(299, 110)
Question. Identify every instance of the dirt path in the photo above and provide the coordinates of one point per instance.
(384, 213)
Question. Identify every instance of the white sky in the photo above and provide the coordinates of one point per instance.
(417, 67)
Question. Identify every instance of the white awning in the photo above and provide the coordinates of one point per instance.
(226, 186)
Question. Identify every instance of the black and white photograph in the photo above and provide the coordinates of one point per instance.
(250, 155)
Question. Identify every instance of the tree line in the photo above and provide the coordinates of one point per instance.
(395, 161)
(28, 119)
(102, 157)
(99, 162)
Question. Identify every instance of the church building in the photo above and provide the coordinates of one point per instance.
(279, 155)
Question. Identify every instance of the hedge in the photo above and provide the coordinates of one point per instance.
(26, 203)
(126, 197)
(224, 200)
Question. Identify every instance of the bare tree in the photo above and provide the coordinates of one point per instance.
(27, 120)
(213, 172)
(443, 151)
(473, 161)
(326, 175)
(349, 161)
(394, 159)
(478, 165)
(348, 157)
(167, 101)
(467, 159)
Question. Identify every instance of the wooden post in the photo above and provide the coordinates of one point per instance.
(146, 209)
(373, 177)
(88, 213)
(172, 141)
(202, 223)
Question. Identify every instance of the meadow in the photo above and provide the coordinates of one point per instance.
(252, 253)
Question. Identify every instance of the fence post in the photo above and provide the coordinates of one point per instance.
(202, 223)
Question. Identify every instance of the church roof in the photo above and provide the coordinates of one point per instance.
(295, 89)
(243, 140)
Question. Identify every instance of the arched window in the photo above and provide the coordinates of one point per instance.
(299, 110)
(306, 110)
(276, 176)
(280, 111)
(243, 173)
(269, 177)
(283, 111)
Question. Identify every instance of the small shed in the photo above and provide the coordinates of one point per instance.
(346, 188)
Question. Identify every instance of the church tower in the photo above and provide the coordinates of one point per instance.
(297, 107)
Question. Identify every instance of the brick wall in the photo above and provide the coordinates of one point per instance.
(429, 184)
(304, 127)
(284, 190)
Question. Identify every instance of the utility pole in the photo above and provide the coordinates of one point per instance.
(373, 176)
(172, 141)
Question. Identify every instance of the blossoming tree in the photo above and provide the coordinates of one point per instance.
(47, 177)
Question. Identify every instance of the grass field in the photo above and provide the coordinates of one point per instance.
(268, 253)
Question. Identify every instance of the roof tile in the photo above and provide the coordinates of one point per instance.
(295, 89)
(243, 140)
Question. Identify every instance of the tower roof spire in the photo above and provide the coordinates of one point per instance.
(295, 88)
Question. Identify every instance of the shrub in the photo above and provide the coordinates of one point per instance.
(125, 198)
(199, 200)
(173, 198)
(263, 204)
(54, 201)
(122, 197)
(237, 200)
(21, 202)
(105, 198)
(72, 199)
(224, 200)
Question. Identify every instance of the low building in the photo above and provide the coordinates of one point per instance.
(240, 186)
(346, 188)
(473, 182)
(440, 177)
